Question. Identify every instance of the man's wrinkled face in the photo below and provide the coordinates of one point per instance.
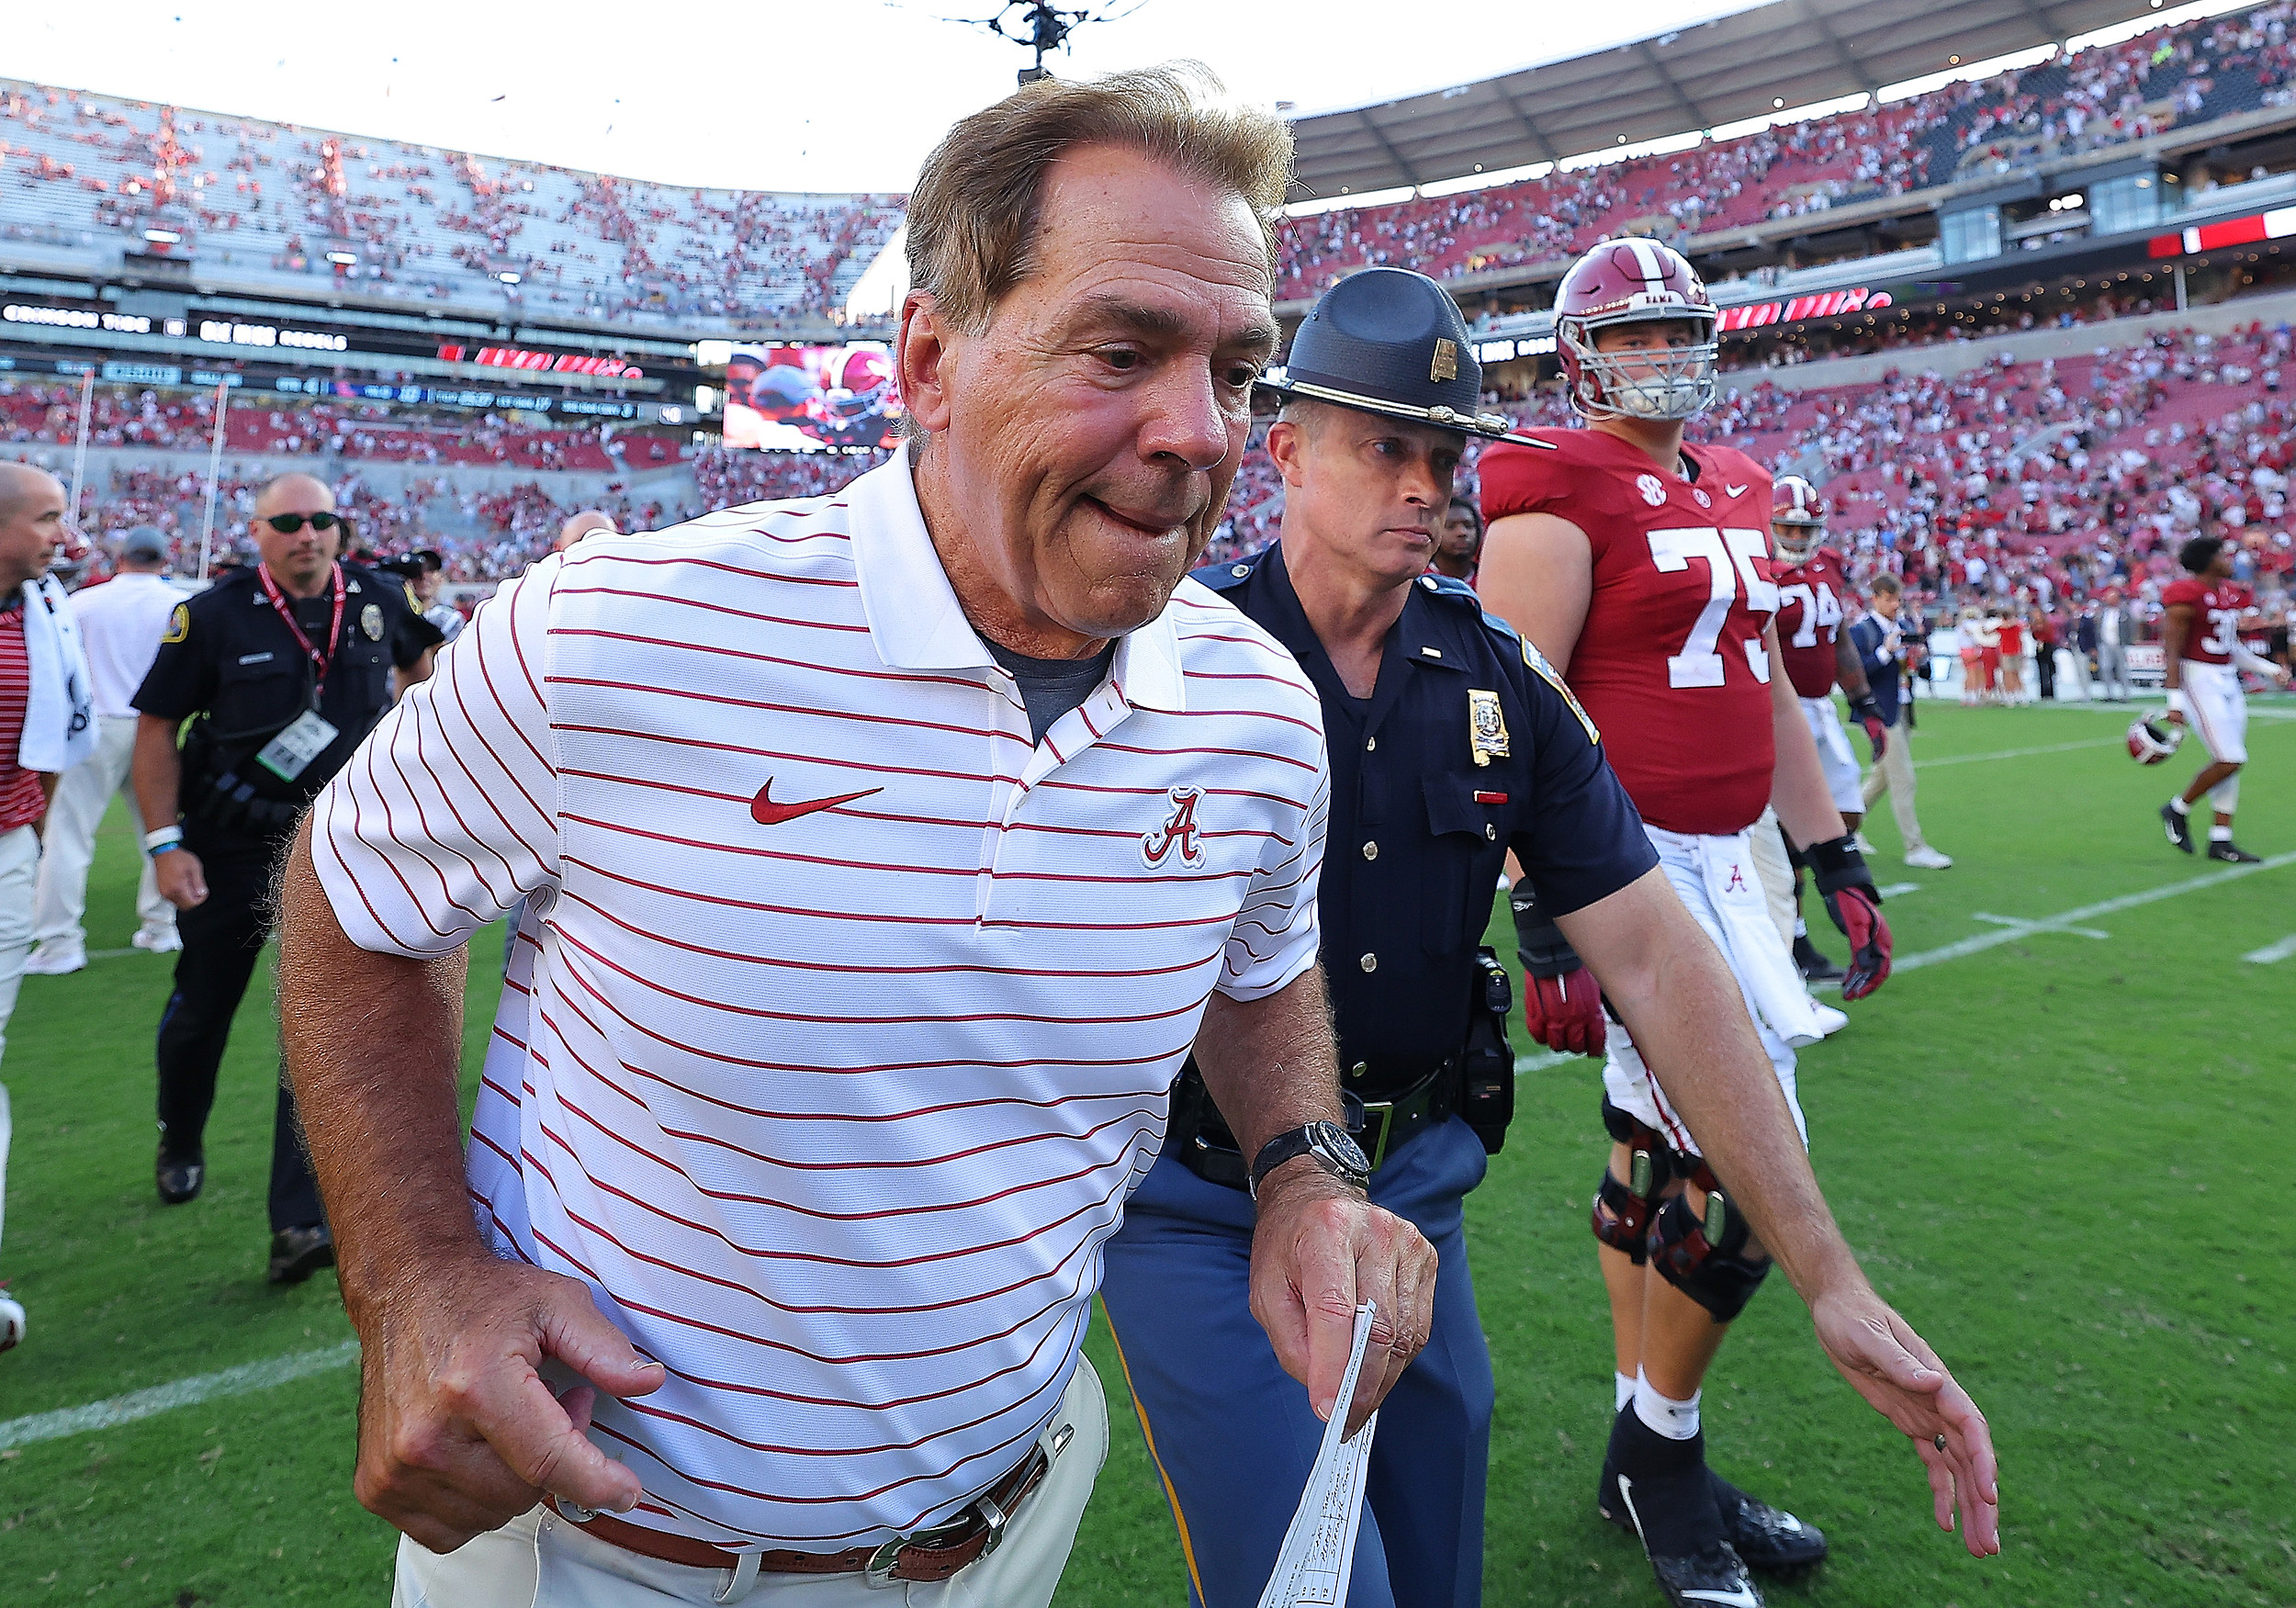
(1368, 490)
(301, 557)
(35, 520)
(1091, 430)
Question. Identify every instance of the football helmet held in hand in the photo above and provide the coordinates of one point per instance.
(2153, 740)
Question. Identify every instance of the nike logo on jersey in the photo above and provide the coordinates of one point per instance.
(1734, 490)
(766, 812)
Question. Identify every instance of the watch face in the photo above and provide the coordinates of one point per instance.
(1338, 1146)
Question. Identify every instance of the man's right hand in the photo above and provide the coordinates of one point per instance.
(458, 1432)
(183, 881)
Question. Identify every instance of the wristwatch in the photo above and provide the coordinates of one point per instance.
(1332, 1147)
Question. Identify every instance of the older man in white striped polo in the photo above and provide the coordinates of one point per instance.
(885, 855)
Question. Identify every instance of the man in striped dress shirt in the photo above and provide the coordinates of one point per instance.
(885, 855)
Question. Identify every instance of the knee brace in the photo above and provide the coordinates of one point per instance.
(1703, 1255)
(2226, 795)
(1625, 1211)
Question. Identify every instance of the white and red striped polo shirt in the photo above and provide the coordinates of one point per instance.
(845, 1015)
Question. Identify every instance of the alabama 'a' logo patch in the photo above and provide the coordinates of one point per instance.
(1179, 838)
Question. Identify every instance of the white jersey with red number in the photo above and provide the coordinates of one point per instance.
(1671, 662)
(1809, 615)
(2217, 608)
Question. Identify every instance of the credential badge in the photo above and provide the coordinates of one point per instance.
(371, 622)
(1445, 364)
(1486, 727)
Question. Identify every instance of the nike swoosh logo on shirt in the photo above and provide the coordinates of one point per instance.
(1734, 490)
(766, 812)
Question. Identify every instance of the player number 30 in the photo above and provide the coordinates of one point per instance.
(1733, 558)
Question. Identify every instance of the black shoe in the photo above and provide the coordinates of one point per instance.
(297, 1254)
(2180, 827)
(180, 1177)
(1766, 1538)
(1761, 1536)
(2225, 848)
(1813, 966)
(1714, 1577)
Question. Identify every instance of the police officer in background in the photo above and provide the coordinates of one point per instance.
(285, 666)
(1450, 742)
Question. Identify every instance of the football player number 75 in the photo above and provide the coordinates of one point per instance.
(1731, 559)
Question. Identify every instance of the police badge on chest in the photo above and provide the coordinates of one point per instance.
(1486, 726)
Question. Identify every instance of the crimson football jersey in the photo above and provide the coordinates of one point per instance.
(1809, 617)
(2217, 607)
(1670, 663)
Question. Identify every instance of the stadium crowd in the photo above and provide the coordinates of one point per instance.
(2193, 71)
(273, 200)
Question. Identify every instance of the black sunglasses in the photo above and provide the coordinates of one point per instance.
(286, 525)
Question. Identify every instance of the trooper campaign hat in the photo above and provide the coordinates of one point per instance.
(1388, 341)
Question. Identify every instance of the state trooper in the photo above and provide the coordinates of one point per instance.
(281, 669)
(1450, 742)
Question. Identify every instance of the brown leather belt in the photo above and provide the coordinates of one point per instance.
(927, 1556)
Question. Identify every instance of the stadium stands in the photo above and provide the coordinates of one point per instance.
(274, 204)
(2193, 73)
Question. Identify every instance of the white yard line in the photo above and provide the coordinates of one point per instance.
(2015, 753)
(2022, 924)
(2071, 919)
(136, 1404)
(1898, 890)
(2263, 956)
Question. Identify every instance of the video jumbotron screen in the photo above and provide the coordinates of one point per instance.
(805, 399)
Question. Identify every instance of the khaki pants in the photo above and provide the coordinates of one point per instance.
(546, 1562)
(1894, 775)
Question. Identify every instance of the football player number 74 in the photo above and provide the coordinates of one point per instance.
(1731, 559)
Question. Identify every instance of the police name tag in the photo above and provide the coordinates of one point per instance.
(289, 754)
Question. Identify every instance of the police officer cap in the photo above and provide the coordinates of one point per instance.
(1388, 341)
(144, 544)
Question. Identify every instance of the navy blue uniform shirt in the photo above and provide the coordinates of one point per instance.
(229, 657)
(1419, 831)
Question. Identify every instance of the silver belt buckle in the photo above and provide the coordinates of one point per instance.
(878, 1575)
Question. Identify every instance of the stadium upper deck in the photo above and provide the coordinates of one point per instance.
(98, 185)
(2194, 79)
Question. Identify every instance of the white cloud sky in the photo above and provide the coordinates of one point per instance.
(831, 94)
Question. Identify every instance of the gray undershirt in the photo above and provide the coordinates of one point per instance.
(1052, 687)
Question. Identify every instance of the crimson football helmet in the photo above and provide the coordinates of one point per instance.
(1798, 518)
(2151, 741)
(1633, 281)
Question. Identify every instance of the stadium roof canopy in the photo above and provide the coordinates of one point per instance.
(1704, 75)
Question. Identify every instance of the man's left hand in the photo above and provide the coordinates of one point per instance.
(1895, 1369)
(1320, 1251)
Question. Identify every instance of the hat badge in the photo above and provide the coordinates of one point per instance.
(1445, 364)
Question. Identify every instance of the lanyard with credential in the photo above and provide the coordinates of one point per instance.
(319, 661)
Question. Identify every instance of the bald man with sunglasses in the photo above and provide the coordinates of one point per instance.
(279, 669)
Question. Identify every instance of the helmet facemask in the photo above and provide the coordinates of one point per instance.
(1658, 383)
(1796, 540)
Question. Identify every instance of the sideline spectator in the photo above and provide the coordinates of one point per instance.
(46, 727)
(1881, 649)
(121, 622)
(2116, 628)
(1460, 543)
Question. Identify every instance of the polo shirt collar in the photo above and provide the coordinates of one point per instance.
(916, 622)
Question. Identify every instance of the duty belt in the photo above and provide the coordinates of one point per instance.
(1380, 1126)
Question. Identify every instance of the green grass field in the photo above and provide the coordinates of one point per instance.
(2059, 1156)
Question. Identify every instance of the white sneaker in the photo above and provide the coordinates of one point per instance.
(1927, 858)
(164, 941)
(11, 1322)
(1829, 1020)
(56, 961)
(1857, 842)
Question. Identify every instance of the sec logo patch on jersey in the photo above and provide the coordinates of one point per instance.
(1653, 489)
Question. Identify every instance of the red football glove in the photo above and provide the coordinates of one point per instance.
(1564, 1013)
(1858, 912)
(1876, 731)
